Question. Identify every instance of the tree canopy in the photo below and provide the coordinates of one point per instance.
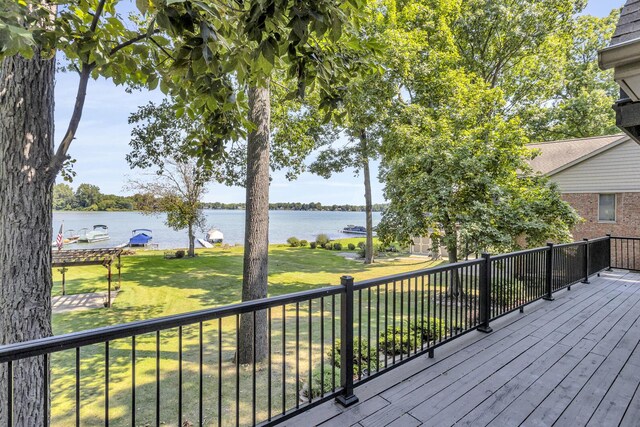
(454, 153)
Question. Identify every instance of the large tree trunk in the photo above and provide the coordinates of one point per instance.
(453, 287)
(26, 149)
(192, 238)
(256, 235)
(368, 248)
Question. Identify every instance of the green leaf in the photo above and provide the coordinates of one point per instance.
(143, 6)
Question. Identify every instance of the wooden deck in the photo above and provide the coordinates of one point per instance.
(570, 362)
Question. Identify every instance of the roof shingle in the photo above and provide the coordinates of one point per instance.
(628, 27)
(556, 154)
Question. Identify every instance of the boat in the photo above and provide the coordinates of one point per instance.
(215, 236)
(99, 233)
(71, 237)
(141, 237)
(204, 243)
(355, 229)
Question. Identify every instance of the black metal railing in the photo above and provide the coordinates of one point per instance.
(318, 345)
(625, 253)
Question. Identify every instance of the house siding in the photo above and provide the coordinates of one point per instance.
(613, 171)
(627, 215)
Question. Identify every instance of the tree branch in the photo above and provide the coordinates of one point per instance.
(134, 40)
(96, 17)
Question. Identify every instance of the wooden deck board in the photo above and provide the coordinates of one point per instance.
(573, 361)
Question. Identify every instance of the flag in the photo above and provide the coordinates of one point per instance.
(60, 239)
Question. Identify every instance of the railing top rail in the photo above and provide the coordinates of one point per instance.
(625, 238)
(568, 245)
(410, 275)
(598, 239)
(107, 333)
(522, 252)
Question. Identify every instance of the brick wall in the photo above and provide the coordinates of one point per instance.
(627, 215)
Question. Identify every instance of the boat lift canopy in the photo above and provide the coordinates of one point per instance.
(78, 257)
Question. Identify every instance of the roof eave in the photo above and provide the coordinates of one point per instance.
(619, 54)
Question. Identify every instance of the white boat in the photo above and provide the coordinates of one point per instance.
(204, 243)
(99, 233)
(215, 236)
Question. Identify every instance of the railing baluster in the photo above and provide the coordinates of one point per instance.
(393, 326)
(237, 369)
(10, 393)
(333, 343)
(297, 355)
(369, 331)
(133, 380)
(200, 374)
(415, 313)
(219, 371)
(402, 320)
(386, 321)
(359, 334)
(77, 386)
(284, 359)
(310, 350)
(322, 346)
(180, 375)
(253, 360)
(158, 378)
(378, 324)
(45, 391)
(106, 383)
(422, 307)
(269, 373)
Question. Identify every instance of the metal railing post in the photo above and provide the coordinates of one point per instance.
(586, 261)
(608, 253)
(549, 274)
(347, 398)
(485, 293)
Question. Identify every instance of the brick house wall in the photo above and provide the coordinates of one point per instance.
(627, 215)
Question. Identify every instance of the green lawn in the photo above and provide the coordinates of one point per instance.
(152, 287)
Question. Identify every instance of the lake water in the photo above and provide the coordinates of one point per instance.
(282, 225)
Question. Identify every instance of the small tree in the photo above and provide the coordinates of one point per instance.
(178, 188)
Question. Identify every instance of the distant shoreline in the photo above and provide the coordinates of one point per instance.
(339, 208)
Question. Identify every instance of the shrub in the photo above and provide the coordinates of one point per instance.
(293, 242)
(337, 246)
(393, 342)
(320, 383)
(361, 245)
(368, 356)
(180, 253)
(361, 252)
(303, 243)
(328, 246)
(351, 246)
(430, 329)
(322, 239)
(507, 293)
(313, 245)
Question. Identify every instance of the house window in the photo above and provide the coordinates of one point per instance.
(607, 208)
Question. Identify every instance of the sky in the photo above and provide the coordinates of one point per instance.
(102, 142)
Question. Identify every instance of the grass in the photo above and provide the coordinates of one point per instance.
(152, 287)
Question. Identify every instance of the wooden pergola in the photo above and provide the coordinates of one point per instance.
(79, 257)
